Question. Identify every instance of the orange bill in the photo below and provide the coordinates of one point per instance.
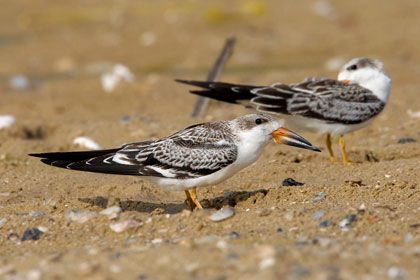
(288, 137)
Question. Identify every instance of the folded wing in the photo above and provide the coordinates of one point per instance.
(186, 154)
(319, 98)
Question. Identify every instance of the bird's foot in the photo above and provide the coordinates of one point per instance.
(192, 200)
(189, 201)
(195, 199)
(333, 160)
(347, 162)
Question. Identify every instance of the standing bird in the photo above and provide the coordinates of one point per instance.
(200, 155)
(321, 105)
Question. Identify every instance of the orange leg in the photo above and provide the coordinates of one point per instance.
(329, 146)
(343, 151)
(189, 200)
(195, 199)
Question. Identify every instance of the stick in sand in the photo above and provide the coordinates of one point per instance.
(214, 75)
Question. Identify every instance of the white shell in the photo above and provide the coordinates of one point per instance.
(124, 225)
(413, 114)
(86, 142)
(111, 79)
(80, 216)
(6, 121)
(222, 214)
(111, 210)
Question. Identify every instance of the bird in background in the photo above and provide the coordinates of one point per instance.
(319, 105)
(200, 155)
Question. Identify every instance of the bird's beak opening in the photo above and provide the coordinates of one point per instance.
(345, 81)
(288, 137)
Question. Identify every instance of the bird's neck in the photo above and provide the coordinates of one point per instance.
(380, 86)
(250, 148)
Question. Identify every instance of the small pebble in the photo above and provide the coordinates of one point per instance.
(119, 73)
(289, 182)
(406, 140)
(325, 223)
(265, 212)
(131, 240)
(233, 235)
(289, 215)
(124, 225)
(148, 38)
(232, 256)
(13, 237)
(300, 271)
(279, 229)
(36, 214)
(80, 216)
(33, 274)
(222, 245)
(324, 241)
(396, 273)
(19, 82)
(222, 214)
(114, 268)
(413, 114)
(31, 234)
(318, 215)
(408, 238)
(346, 223)
(318, 197)
(125, 119)
(9, 268)
(264, 251)
(86, 268)
(301, 244)
(157, 241)
(324, 9)
(414, 225)
(2, 221)
(207, 239)
(116, 256)
(43, 229)
(267, 262)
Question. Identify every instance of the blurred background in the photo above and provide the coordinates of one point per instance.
(54, 53)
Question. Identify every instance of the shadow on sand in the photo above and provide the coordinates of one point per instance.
(230, 198)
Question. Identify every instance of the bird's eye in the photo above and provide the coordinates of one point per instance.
(258, 121)
(352, 67)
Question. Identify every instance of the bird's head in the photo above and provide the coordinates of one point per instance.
(262, 128)
(367, 73)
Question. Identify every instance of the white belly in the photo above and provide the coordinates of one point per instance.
(247, 154)
(172, 184)
(319, 126)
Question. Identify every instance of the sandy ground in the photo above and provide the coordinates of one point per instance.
(63, 48)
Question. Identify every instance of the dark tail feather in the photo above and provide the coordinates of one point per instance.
(73, 156)
(91, 161)
(226, 92)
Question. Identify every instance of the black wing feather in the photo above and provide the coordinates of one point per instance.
(90, 161)
(225, 92)
(74, 156)
(317, 98)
